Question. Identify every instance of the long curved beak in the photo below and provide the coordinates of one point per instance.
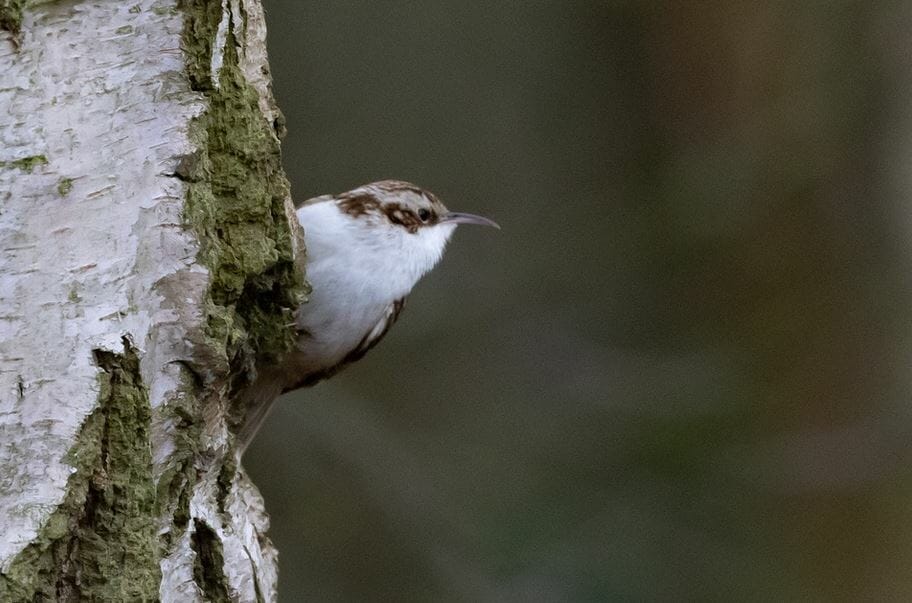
(456, 217)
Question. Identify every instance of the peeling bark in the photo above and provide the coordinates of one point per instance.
(147, 261)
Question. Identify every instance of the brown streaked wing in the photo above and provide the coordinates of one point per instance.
(372, 338)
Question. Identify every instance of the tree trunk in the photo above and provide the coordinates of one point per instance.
(147, 261)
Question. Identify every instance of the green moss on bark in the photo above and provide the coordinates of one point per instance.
(100, 544)
(64, 186)
(11, 15)
(26, 164)
(176, 482)
(236, 196)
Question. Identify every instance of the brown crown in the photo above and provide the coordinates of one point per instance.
(369, 200)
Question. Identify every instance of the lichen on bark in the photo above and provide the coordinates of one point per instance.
(11, 15)
(236, 196)
(178, 476)
(26, 164)
(132, 506)
(100, 544)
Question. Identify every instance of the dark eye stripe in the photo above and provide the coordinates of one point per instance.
(401, 216)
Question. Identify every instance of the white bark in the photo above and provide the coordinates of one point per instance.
(96, 114)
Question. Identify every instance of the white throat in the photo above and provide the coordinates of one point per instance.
(358, 266)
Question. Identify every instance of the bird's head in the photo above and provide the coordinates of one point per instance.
(406, 219)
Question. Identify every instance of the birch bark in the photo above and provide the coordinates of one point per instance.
(147, 260)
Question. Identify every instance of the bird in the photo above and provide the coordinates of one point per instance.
(367, 248)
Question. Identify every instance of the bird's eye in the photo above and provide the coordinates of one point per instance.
(424, 215)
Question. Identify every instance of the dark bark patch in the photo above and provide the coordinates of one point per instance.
(208, 573)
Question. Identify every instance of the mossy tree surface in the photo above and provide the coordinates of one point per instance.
(236, 201)
(100, 544)
(149, 264)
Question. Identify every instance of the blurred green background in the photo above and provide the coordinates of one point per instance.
(680, 372)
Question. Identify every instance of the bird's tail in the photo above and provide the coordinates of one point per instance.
(255, 402)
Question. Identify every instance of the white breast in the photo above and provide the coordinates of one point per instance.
(357, 268)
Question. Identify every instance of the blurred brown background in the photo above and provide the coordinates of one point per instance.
(681, 371)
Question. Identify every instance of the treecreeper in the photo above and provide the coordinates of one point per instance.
(366, 249)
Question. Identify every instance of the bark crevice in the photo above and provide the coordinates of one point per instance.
(207, 566)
